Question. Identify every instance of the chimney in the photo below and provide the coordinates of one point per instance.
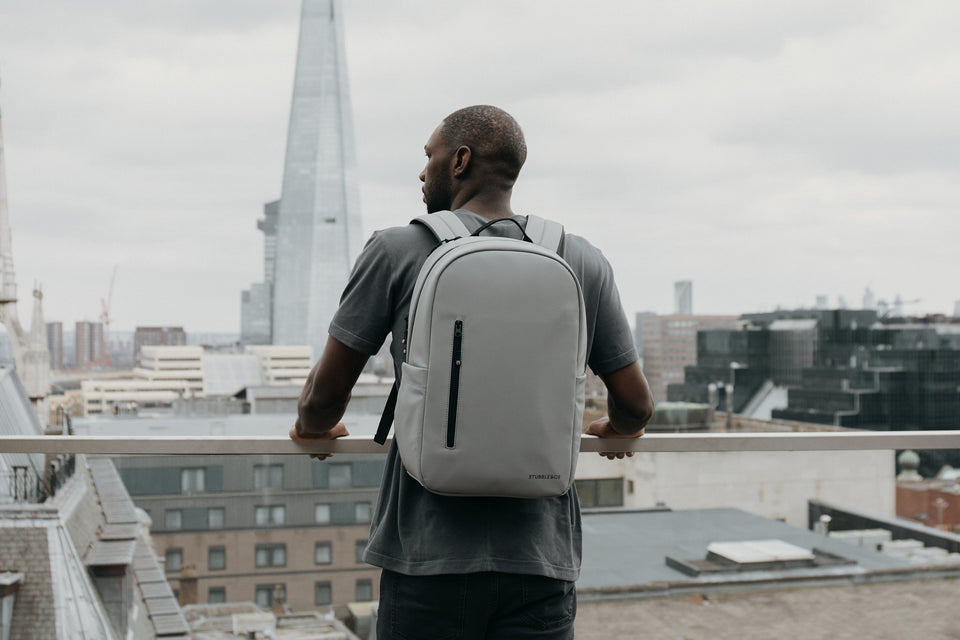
(188, 585)
(279, 598)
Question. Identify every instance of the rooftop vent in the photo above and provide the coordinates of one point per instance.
(755, 555)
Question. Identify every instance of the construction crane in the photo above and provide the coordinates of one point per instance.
(105, 319)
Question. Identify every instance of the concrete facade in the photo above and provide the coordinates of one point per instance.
(157, 336)
(169, 373)
(249, 506)
(775, 484)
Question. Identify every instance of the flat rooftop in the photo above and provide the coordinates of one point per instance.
(626, 550)
(896, 611)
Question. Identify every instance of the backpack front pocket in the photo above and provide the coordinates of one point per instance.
(455, 364)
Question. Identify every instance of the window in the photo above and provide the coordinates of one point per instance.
(215, 518)
(216, 595)
(322, 593)
(322, 553)
(173, 519)
(174, 560)
(321, 514)
(362, 511)
(340, 475)
(271, 555)
(600, 493)
(265, 594)
(268, 476)
(192, 480)
(216, 558)
(271, 514)
(360, 546)
(364, 591)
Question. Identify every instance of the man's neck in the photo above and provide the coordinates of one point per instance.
(491, 207)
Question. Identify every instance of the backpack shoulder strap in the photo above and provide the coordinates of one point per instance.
(445, 225)
(545, 233)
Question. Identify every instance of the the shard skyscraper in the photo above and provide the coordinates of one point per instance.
(318, 223)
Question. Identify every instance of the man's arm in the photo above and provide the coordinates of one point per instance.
(325, 395)
(629, 406)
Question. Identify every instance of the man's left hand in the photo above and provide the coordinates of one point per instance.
(338, 431)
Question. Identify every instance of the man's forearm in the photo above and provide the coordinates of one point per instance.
(627, 423)
(316, 417)
(318, 412)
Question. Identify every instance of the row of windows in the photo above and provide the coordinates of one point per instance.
(173, 518)
(270, 515)
(205, 479)
(266, 555)
(270, 476)
(322, 593)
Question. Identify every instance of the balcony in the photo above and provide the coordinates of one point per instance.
(607, 582)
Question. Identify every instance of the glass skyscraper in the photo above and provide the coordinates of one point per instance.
(318, 230)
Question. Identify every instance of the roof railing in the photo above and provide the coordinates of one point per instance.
(656, 442)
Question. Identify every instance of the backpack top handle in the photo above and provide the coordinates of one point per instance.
(446, 226)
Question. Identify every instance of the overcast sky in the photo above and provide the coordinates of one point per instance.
(767, 151)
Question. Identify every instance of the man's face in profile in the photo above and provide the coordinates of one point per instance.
(437, 181)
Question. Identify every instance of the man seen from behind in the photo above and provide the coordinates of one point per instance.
(469, 568)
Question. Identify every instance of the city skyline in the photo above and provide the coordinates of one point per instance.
(767, 154)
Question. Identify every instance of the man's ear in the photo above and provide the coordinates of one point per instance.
(461, 161)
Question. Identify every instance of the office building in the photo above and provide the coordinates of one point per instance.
(683, 298)
(318, 225)
(313, 235)
(256, 303)
(256, 307)
(55, 344)
(766, 353)
(837, 367)
(668, 343)
(253, 527)
(89, 344)
(157, 336)
(167, 375)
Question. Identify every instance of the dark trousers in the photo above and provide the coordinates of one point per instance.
(475, 606)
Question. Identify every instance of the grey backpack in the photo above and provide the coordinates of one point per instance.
(490, 399)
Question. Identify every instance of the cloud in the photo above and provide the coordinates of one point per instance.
(768, 151)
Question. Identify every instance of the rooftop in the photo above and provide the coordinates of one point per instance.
(899, 610)
(627, 551)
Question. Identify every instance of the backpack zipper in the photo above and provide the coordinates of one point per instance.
(454, 383)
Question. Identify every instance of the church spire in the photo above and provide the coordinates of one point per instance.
(35, 373)
(8, 289)
(8, 281)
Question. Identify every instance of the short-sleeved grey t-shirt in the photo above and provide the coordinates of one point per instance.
(417, 532)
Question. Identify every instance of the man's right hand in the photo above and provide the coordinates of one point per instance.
(602, 429)
(298, 435)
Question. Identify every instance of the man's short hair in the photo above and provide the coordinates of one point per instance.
(492, 134)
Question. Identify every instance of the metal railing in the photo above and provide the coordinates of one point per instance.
(677, 442)
(22, 485)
